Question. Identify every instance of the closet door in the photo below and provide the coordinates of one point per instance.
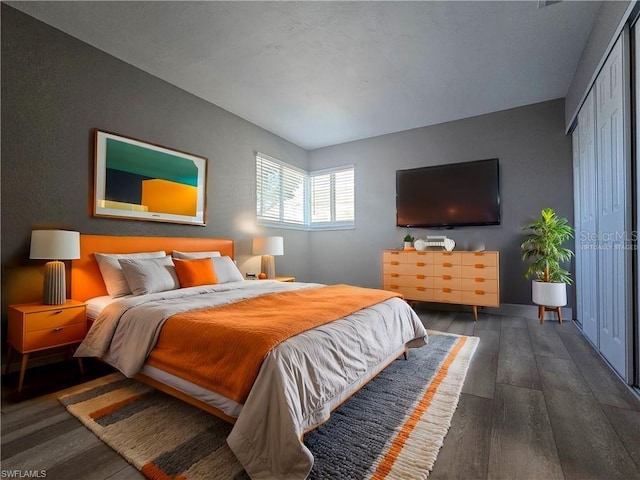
(613, 209)
(585, 188)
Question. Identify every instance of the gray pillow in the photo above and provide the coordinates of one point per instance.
(149, 275)
(226, 270)
(111, 270)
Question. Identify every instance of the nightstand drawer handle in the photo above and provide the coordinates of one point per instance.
(58, 312)
(57, 329)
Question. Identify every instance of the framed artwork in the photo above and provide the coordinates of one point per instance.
(143, 181)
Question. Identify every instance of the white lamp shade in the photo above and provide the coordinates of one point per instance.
(268, 246)
(55, 245)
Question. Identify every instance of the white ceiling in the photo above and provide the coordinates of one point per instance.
(323, 73)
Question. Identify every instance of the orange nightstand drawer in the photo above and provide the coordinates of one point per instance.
(54, 318)
(54, 337)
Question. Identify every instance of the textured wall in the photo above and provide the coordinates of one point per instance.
(535, 172)
(56, 89)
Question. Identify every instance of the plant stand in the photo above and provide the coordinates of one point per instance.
(542, 309)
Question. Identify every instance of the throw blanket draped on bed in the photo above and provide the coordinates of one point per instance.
(222, 348)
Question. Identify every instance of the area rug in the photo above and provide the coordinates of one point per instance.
(392, 428)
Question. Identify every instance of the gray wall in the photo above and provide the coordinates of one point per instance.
(605, 30)
(535, 172)
(56, 89)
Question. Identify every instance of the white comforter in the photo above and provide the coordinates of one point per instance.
(300, 380)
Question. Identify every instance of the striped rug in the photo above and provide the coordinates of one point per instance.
(392, 428)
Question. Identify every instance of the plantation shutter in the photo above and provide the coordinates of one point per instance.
(281, 191)
(332, 198)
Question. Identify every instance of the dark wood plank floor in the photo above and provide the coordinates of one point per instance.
(538, 403)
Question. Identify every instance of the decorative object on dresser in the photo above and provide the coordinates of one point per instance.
(36, 327)
(544, 252)
(466, 278)
(408, 242)
(268, 247)
(54, 245)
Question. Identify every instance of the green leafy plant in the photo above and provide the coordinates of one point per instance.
(408, 238)
(543, 249)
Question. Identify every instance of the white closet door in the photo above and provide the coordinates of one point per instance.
(613, 210)
(585, 188)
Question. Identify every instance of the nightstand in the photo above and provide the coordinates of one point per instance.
(35, 327)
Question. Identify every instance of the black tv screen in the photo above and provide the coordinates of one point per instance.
(445, 196)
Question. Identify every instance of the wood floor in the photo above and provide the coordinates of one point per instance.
(538, 403)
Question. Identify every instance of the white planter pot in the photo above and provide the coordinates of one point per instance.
(408, 245)
(549, 294)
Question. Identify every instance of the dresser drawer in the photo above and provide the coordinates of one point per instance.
(447, 281)
(447, 257)
(54, 337)
(447, 295)
(480, 297)
(54, 318)
(396, 256)
(489, 259)
(479, 270)
(423, 294)
(479, 283)
(447, 268)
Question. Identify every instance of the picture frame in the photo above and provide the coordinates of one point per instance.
(142, 181)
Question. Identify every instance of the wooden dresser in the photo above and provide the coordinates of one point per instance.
(465, 278)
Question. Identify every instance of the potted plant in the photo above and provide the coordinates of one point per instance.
(408, 242)
(543, 251)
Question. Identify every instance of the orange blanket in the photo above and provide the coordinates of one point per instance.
(222, 348)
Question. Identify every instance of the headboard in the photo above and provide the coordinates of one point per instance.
(86, 280)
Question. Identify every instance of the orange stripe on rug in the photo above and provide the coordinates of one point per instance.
(153, 472)
(109, 409)
(401, 438)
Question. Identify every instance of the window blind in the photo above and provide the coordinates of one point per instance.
(289, 196)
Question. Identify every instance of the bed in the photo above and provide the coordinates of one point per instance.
(300, 378)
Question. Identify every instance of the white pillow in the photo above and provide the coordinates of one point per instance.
(192, 255)
(150, 275)
(111, 271)
(226, 270)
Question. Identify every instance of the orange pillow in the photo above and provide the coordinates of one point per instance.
(194, 272)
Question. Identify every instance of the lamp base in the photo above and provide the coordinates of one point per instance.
(55, 289)
(268, 266)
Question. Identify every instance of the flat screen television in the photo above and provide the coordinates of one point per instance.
(447, 196)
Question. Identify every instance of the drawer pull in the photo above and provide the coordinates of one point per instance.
(57, 312)
(479, 279)
(394, 253)
(395, 275)
(479, 292)
(395, 287)
(57, 329)
(447, 264)
(479, 265)
(447, 253)
(421, 253)
(421, 289)
(446, 277)
(420, 277)
(395, 262)
(420, 264)
(446, 290)
(478, 254)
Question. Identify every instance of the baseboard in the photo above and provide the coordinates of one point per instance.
(506, 309)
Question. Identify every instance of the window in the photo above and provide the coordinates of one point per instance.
(332, 198)
(281, 192)
(290, 197)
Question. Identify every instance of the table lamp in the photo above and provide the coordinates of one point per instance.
(268, 247)
(54, 245)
